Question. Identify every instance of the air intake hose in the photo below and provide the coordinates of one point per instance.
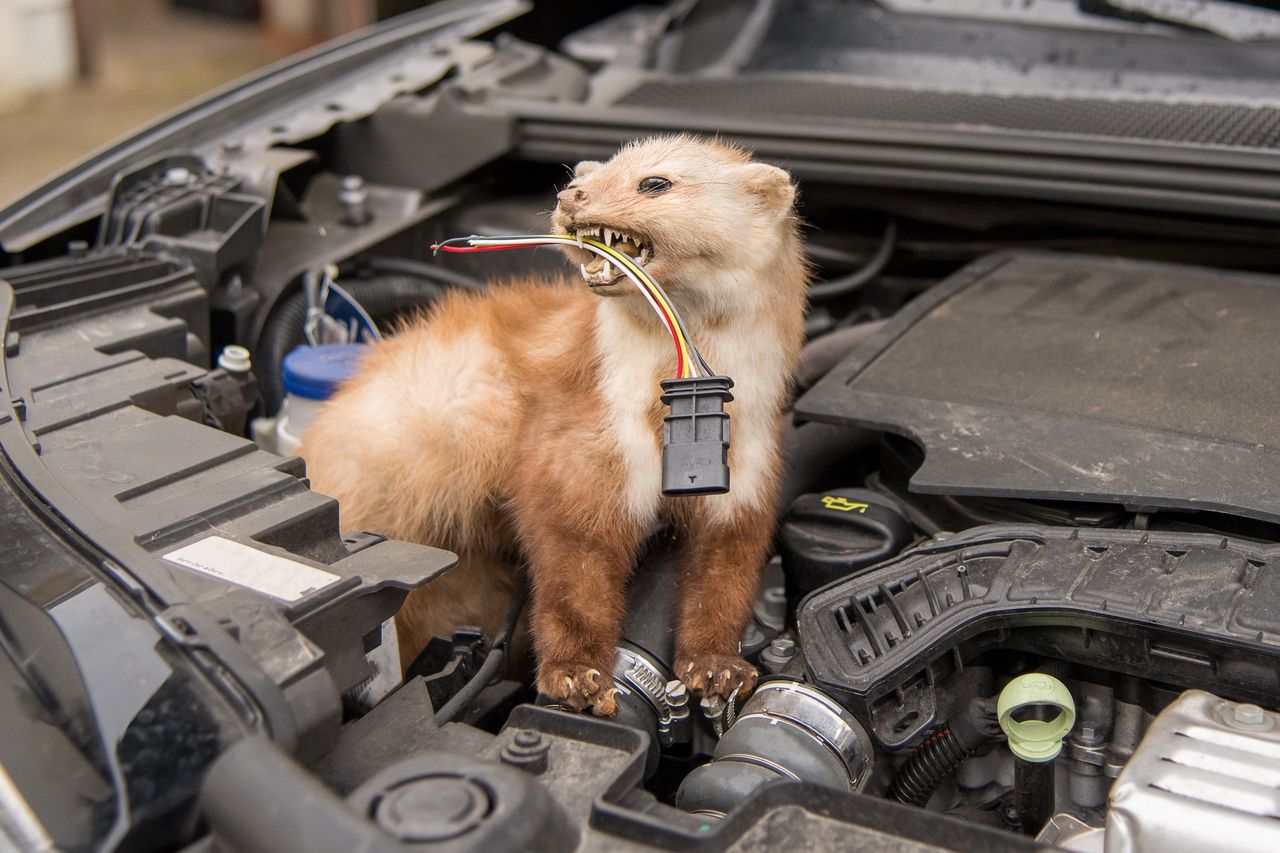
(787, 730)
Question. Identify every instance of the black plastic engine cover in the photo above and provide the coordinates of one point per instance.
(1178, 608)
(1059, 377)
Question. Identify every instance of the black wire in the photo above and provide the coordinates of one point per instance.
(846, 284)
(702, 362)
(435, 248)
(493, 661)
(394, 265)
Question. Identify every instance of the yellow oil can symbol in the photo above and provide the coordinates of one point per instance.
(840, 504)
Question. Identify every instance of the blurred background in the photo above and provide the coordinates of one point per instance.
(77, 74)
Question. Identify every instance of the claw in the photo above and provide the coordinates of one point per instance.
(711, 676)
(579, 687)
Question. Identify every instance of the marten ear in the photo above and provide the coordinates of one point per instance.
(772, 185)
(586, 167)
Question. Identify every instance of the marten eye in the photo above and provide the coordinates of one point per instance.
(653, 185)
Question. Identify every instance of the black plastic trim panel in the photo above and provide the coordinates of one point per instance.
(1186, 179)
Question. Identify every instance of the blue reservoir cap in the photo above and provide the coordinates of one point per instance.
(316, 372)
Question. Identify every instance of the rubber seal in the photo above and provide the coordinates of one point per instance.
(1036, 740)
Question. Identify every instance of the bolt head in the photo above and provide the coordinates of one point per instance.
(783, 647)
(527, 738)
(1090, 734)
(1249, 715)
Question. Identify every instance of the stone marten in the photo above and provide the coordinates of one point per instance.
(521, 427)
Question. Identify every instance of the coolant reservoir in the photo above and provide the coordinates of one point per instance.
(310, 376)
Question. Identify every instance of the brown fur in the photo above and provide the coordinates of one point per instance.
(526, 421)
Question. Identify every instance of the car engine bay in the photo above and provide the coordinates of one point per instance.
(1025, 586)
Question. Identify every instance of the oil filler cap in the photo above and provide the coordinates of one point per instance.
(827, 536)
(1034, 739)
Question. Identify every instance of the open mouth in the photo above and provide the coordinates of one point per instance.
(602, 272)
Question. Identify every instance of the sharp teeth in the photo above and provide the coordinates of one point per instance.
(608, 237)
(608, 269)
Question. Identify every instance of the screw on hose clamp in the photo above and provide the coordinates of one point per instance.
(635, 673)
(720, 712)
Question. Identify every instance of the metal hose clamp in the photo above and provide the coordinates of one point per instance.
(635, 673)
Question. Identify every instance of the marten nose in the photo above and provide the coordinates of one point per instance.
(571, 199)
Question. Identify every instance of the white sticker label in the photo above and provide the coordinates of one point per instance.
(278, 577)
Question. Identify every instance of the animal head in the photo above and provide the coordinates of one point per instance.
(687, 210)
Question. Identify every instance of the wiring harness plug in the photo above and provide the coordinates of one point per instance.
(695, 436)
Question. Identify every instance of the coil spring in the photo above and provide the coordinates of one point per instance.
(935, 759)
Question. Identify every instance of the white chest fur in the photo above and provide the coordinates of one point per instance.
(633, 361)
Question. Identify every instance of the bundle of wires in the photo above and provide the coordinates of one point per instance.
(689, 362)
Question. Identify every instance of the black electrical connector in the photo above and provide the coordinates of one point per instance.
(695, 436)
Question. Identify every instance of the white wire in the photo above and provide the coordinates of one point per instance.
(691, 360)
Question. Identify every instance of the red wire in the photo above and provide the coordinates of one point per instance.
(462, 250)
(666, 318)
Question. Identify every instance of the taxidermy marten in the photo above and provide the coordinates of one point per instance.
(521, 427)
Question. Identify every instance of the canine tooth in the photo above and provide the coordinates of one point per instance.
(608, 237)
(608, 269)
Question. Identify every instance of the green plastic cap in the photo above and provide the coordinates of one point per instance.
(1036, 740)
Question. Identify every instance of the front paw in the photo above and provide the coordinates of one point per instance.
(717, 675)
(577, 686)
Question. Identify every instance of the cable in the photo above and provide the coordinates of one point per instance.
(493, 661)
(689, 362)
(648, 288)
(938, 757)
(846, 284)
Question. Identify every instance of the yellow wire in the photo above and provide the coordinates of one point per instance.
(683, 347)
(689, 369)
